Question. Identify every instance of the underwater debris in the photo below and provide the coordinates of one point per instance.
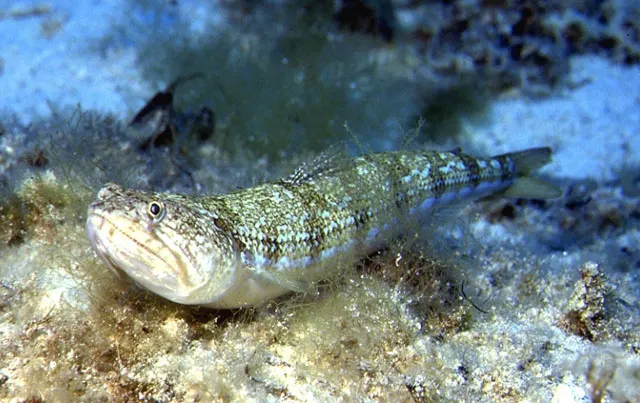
(157, 113)
(159, 117)
(37, 159)
(469, 300)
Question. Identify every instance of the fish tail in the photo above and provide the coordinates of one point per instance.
(523, 163)
(528, 160)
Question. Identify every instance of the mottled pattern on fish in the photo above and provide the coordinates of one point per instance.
(249, 246)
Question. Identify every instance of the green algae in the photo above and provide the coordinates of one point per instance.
(36, 210)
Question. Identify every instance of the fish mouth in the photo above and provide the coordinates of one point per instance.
(93, 227)
(132, 251)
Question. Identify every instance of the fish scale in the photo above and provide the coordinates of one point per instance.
(249, 246)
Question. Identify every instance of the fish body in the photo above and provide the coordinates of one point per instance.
(247, 247)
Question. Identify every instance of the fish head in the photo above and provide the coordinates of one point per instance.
(167, 244)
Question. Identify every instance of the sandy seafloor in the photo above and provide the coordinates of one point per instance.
(557, 287)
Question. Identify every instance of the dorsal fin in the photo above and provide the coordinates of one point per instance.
(321, 165)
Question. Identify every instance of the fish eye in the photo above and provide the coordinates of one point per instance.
(156, 211)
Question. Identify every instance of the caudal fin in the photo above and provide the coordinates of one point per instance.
(529, 160)
(525, 186)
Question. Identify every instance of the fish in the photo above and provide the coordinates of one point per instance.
(252, 245)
